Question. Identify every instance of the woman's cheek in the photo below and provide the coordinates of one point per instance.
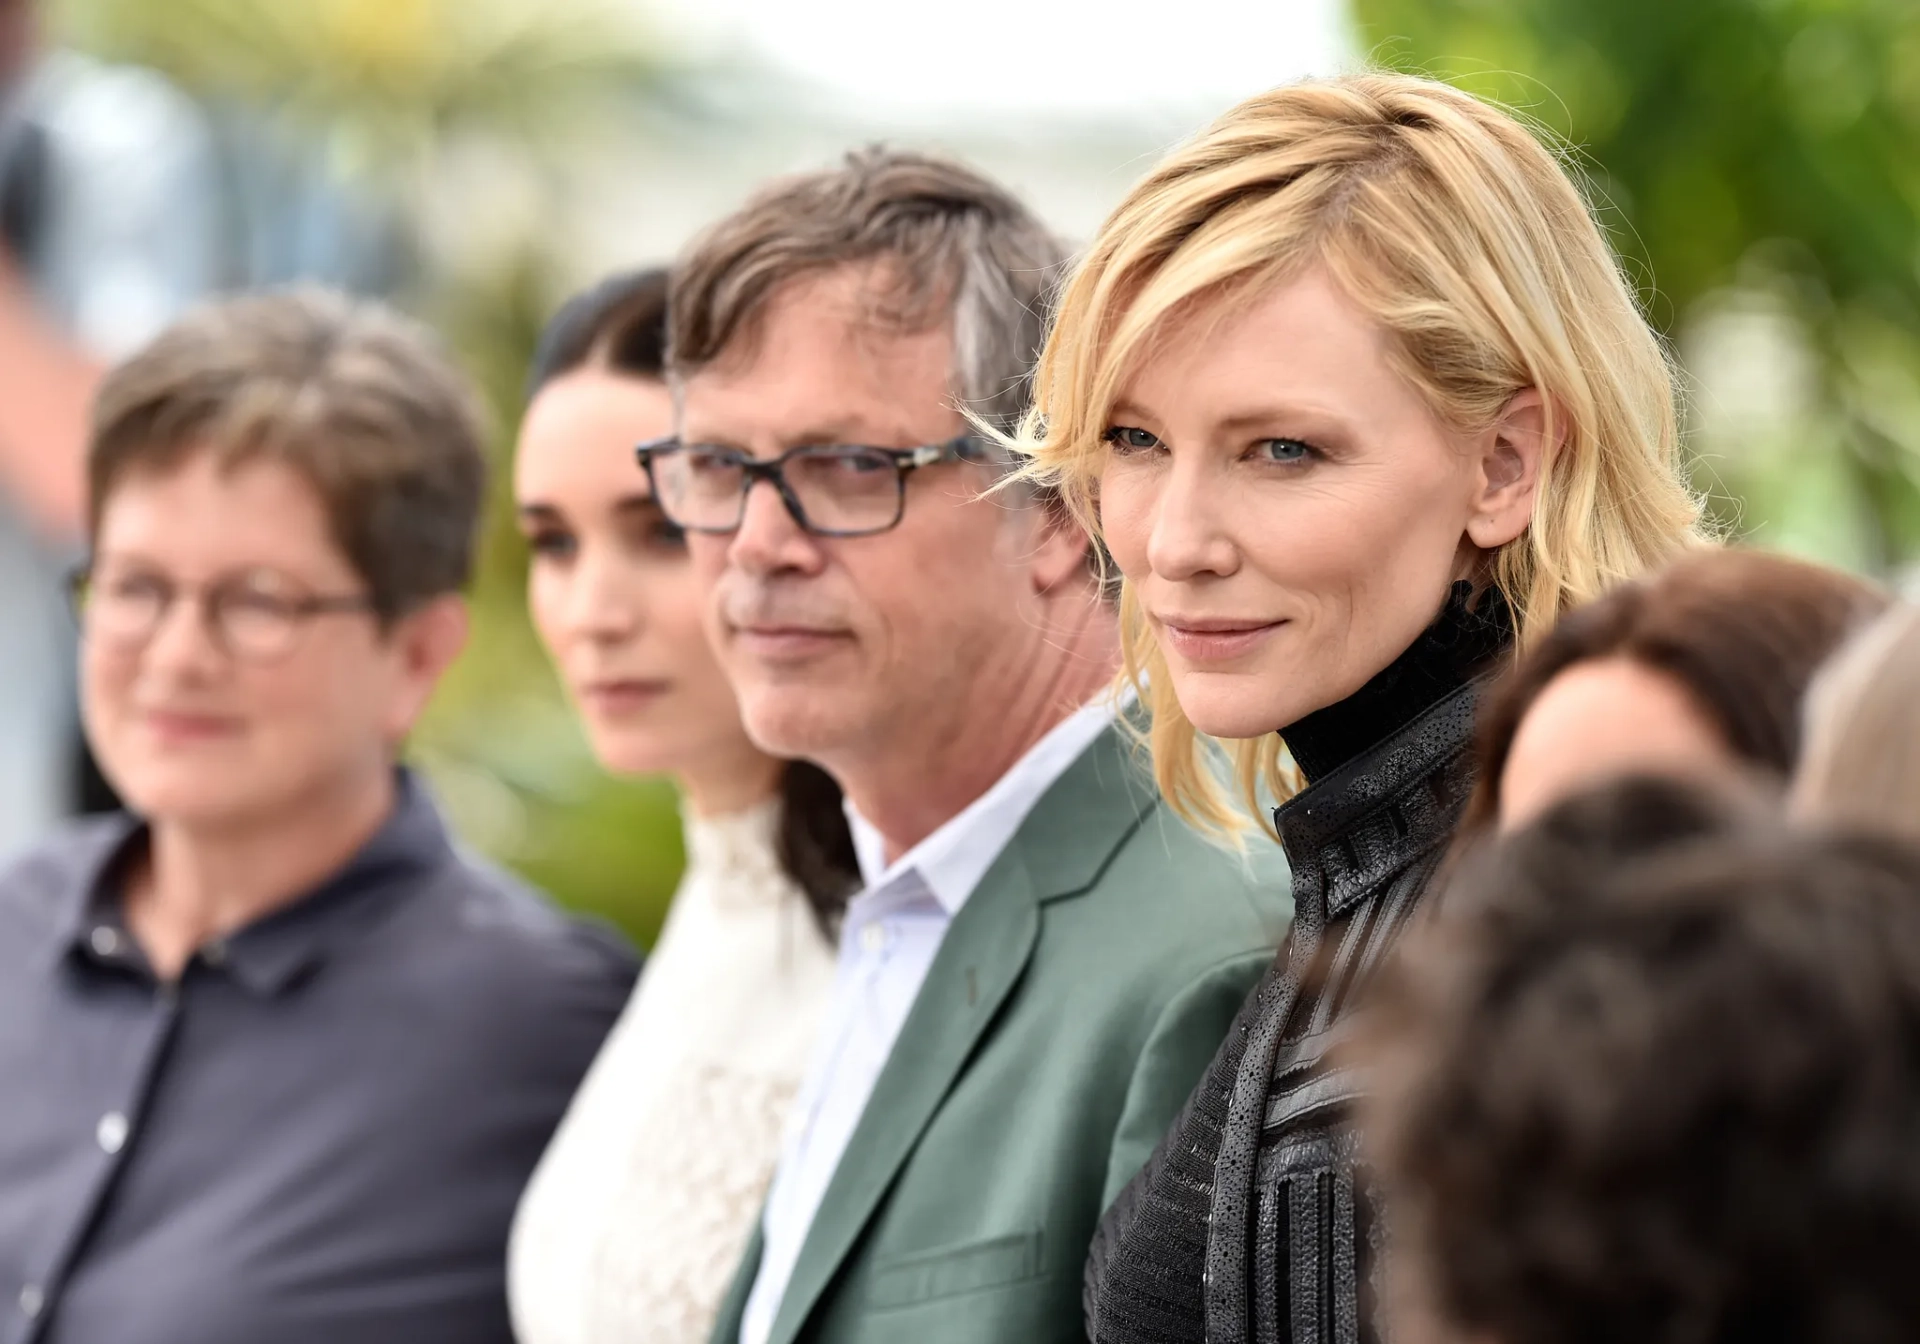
(546, 601)
(1126, 519)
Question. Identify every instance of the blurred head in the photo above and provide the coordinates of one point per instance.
(283, 493)
(1861, 763)
(869, 305)
(1657, 1088)
(1359, 339)
(610, 587)
(1699, 671)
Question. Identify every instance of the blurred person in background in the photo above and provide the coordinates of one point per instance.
(1358, 399)
(1860, 766)
(1700, 671)
(1018, 1008)
(1653, 1075)
(109, 204)
(278, 1058)
(638, 1213)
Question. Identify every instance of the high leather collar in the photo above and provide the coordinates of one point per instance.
(1462, 643)
(1348, 833)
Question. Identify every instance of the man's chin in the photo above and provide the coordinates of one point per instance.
(796, 721)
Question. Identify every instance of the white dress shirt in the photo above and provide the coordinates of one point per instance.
(892, 931)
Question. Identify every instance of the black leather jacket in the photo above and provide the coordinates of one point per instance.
(1253, 1223)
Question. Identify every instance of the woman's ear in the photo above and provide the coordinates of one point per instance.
(1062, 553)
(1511, 453)
(425, 643)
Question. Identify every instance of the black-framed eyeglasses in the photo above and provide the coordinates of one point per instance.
(830, 490)
(252, 616)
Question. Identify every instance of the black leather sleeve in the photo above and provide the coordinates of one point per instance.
(1144, 1270)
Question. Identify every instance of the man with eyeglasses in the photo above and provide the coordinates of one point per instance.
(1042, 960)
(277, 1058)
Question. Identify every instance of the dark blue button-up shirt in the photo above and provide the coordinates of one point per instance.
(318, 1134)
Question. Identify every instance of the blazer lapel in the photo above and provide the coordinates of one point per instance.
(979, 961)
(1059, 849)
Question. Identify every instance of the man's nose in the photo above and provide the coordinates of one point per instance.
(770, 539)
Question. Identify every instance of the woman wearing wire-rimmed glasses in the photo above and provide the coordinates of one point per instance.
(289, 1057)
(254, 615)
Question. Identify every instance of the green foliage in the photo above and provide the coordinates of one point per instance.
(384, 81)
(1765, 146)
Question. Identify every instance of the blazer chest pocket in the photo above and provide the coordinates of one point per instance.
(909, 1280)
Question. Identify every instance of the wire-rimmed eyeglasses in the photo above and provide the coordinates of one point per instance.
(257, 616)
(830, 490)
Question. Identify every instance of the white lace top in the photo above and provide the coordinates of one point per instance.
(635, 1219)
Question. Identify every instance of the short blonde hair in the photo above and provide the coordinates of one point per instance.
(1861, 762)
(1447, 221)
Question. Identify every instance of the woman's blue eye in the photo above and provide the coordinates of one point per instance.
(1283, 450)
(1130, 440)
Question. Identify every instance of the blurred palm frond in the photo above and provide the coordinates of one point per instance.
(386, 80)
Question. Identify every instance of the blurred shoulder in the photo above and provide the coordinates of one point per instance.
(514, 938)
(40, 884)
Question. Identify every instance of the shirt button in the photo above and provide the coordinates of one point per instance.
(111, 1132)
(104, 941)
(31, 1301)
(873, 938)
(215, 953)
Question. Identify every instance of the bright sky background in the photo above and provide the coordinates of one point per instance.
(1103, 58)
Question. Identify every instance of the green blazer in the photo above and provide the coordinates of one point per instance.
(1075, 1002)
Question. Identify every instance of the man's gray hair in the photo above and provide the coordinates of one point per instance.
(958, 248)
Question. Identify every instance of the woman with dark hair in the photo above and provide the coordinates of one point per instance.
(637, 1215)
(1699, 671)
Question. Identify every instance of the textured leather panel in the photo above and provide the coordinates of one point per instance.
(1254, 1222)
(1380, 817)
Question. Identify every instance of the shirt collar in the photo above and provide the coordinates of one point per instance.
(952, 860)
(270, 954)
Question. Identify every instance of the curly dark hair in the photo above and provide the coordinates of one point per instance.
(1655, 1076)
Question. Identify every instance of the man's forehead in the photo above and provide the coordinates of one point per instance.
(827, 354)
(856, 313)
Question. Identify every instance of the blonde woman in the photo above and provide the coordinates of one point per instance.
(1861, 762)
(1359, 400)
